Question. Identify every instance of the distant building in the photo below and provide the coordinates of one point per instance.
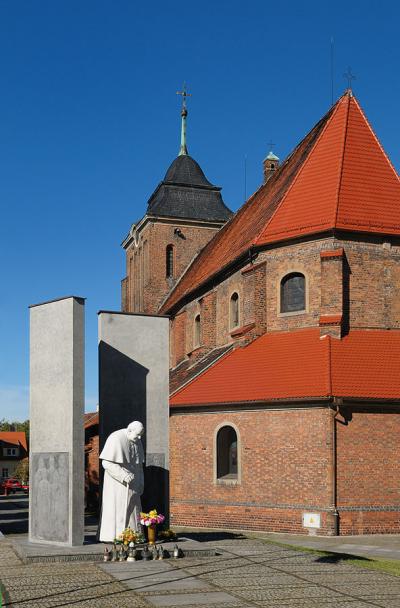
(13, 449)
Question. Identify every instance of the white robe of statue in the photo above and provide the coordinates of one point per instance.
(122, 458)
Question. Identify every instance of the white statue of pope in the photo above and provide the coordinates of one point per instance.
(122, 458)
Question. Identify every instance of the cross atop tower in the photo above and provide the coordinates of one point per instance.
(349, 76)
(184, 113)
(184, 94)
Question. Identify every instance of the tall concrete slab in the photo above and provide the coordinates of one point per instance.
(56, 510)
(134, 385)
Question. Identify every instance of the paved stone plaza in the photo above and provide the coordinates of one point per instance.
(247, 572)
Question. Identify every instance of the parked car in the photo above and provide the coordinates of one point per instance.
(10, 486)
(25, 488)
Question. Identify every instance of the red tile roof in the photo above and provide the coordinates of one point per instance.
(14, 437)
(332, 253)
(330, 319)
(337, 177)
(346, 182)
(364, 364)
(91, 419)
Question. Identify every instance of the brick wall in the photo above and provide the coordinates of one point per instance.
(92, 468)
(147, 284)
(374, 273)
(178, 339)
(286, 460)
(349, 285)
(368, 472)
(224, 291)
(303, 258)
(287, 468)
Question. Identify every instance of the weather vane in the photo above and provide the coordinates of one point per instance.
(271, 145)
(349, 77)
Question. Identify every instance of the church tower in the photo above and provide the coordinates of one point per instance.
(183, 214)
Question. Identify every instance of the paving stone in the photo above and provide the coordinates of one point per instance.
(360, 576)
(366, 588)
(270, 580)
(246, 574)
(285, 592)
(320, 603)
(198, 599)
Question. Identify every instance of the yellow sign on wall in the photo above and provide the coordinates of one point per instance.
(311, 520)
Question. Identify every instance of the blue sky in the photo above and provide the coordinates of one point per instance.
(89, 122)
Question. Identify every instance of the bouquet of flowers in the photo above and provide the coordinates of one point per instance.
(151, 518)
(127, 536)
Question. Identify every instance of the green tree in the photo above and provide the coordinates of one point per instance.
(22, 471)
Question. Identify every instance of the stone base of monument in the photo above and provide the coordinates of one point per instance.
(93, 551)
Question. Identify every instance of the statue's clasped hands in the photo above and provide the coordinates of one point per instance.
(128, 481)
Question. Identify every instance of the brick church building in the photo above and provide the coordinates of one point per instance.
(285, 335)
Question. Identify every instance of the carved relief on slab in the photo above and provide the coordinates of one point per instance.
(50, 496)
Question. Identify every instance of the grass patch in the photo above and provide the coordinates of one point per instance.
(383, 565)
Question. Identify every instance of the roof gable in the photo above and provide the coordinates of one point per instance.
(310, 204)
(369, 197)
(337, 177)
(346, 182)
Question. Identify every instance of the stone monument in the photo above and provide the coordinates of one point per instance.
(122, 458)
(134, 385)
(56, 510)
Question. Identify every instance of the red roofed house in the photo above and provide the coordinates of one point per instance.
(13, 449)
(285, 335)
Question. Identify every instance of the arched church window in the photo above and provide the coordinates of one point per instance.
(169, 266)
(227, 453)
(234, 311)
(293, 292)
(197, 331)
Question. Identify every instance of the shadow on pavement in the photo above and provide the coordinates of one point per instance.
(335, 558)
(204, 537)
